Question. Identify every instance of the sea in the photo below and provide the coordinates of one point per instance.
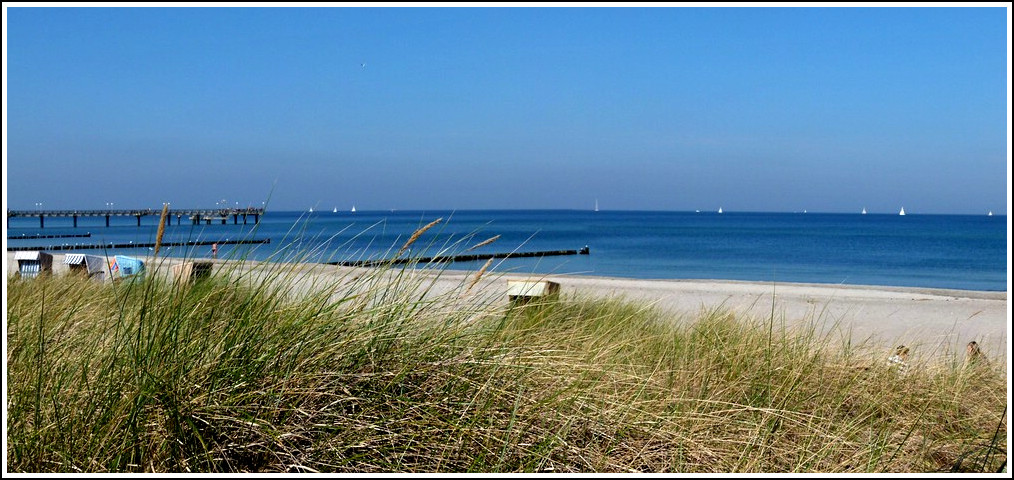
(966, 252)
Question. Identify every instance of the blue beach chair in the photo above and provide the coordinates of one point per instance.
(126, 267)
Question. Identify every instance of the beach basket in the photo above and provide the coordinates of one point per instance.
(527, 290)
(92, 266)
(126, 267)
(32, 263)
(192, 271)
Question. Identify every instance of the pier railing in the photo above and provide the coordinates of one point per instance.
(135, 212)
(196, 215)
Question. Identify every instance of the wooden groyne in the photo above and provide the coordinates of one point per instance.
(139, 245)
(38, 236)
(459, 258)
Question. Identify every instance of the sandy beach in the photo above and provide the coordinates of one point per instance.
(931, 321)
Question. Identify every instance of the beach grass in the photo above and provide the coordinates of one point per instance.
(271, 369)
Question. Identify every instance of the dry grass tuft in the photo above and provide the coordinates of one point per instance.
(253, 371)
(478, 275)
(415, 236)
(161, 228)
(483, 243)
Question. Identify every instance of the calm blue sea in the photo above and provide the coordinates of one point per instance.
(937, 251)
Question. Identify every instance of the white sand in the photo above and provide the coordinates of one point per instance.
(930, 321)
(924, 319)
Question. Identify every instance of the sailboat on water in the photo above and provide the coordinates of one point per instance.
(864, 210)
(902, 212)
(353, 209)
(335, 210)
(719, 209)
(596, 204)
(990, 214)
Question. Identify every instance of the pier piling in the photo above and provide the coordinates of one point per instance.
(94, 246)
(194, 214)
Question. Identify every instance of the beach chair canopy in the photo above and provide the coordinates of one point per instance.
(127, 266)
(531, 287)
(527, 289)
(30, 255)
(92, 263)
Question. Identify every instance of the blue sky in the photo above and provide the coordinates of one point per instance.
(749, 109)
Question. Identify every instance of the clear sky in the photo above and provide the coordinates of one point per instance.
(748, 109)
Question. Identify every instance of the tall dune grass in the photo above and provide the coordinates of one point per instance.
(270, 369)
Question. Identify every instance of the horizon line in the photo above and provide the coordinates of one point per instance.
(445, 209)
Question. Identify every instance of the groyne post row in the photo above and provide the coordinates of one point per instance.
(38, 236)
(138, 245)
(459, 258)
(195, 215)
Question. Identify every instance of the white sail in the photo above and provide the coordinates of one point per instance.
(311, 209)
(353, 209)
(864, 210)
(902, 212)
(990, 214)
(719, 209)
(335, 210)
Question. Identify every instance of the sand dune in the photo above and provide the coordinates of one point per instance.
(929, 320)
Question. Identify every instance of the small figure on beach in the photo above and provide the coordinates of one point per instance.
(214, 250)
(899, 360)
(974, 355)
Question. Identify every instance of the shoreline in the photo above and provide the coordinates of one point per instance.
(947, 292)
(927, 319)
(932, 291)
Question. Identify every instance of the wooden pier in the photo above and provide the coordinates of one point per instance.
(195, 215)
(95, 246)
(459, 258)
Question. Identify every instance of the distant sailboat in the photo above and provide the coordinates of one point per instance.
(596, 204)
(311, 209)
(335, 210)
(719, 209)
(353, 209)
(902, 212)
(990, 214)
(864, 210)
